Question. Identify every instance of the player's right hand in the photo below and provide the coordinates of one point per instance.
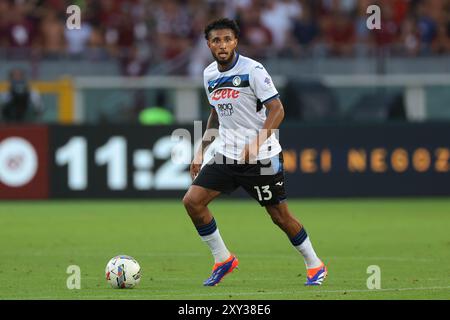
(196, 165)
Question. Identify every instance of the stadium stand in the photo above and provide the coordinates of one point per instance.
(141, 34)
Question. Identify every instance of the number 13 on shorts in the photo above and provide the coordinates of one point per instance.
(264, 192)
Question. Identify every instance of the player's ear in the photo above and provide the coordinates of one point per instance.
(236, 41)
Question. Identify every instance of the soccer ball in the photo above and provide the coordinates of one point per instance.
(123, 272)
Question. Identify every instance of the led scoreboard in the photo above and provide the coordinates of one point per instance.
(146, 161)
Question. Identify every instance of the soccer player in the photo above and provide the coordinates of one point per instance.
(249, 155)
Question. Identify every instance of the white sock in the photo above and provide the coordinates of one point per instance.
(308, 253)
(217, 246)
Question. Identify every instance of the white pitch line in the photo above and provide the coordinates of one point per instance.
(305, 292)
(181, 294)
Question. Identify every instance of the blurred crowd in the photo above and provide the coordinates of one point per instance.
(168, 34)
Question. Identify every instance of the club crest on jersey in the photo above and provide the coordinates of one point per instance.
(236, 81)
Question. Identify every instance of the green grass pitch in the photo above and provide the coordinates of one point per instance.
(409, 239)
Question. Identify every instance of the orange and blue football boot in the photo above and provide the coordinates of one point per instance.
(220, 270)
(316, 276)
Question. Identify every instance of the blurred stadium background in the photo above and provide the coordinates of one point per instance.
(313, 41)
(367, 115)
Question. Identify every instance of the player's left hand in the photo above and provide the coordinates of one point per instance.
(250, 153)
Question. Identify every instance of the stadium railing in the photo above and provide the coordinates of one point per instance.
(425, 96)
(91, 99)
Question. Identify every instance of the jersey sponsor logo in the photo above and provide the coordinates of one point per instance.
(225, 109)
(225, 94)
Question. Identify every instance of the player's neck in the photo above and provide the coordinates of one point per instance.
(228, 66)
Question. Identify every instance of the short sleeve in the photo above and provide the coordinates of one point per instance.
(262, 84)
(205, 85)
